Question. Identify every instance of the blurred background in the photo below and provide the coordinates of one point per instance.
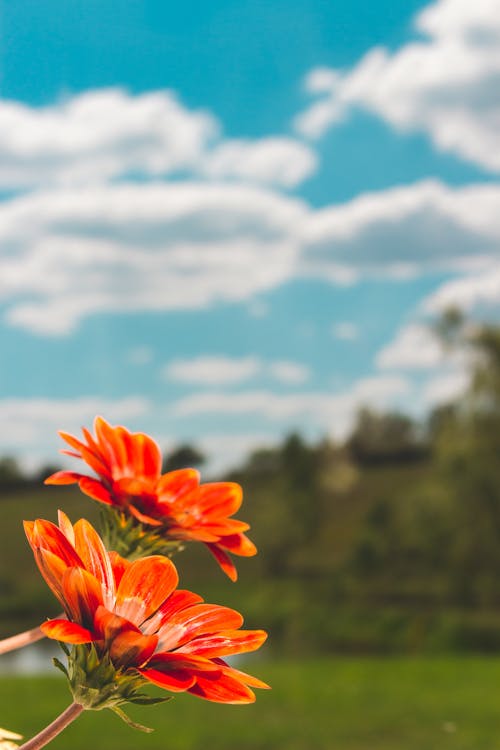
(268, 234)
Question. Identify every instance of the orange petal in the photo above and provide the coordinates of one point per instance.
(66, 527)
(108, 625)
(225, 527)
(192, 534)
(224, 561)
(147, 456)
(119, 565)
(111, 444)
(63, 477)
(83, 594)
(196, 620)
(52, 569)
(248, 679)
(226, 642)
(219, 499)
(176, 681)
(68, 632)
(143, 518)
(238, 544)
(226, 689)
(144, 587)
(48, 536)
(96, 490)
(94, 460)
(92, 551)
(176, 485)
(178, 599)
(177, 672)
(28, 530)
(130, 648)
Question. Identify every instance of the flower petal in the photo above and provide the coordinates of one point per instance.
(144, 587)
(95, 460)
(178, 599)
(108, 624)
(174, 486)
(224, 561)
(66, 631)
(92, 551)
(132, 649)
(225, 642)
(48, 536)
(52, 569)
(143, 518)
(96, 490)
(196, 620)
(248, 679)
(176, 681)
(219, 499)
(63, 477)
(226, 689)
(119, 565)
(83, 594)
(177, 672)
(66, 527)
(238, 544)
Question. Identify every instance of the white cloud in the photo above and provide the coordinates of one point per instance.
(289, 373)
(280, 161)
(30, 425)
(345, 331)
(326, 412)
(404, 231)
(446, 84)
(227, 451)
(222, 370)
(99, 135)
(210, 370)
(445, 388)
(466, 293)
(67, 254)
(415, 347)
(106, 134)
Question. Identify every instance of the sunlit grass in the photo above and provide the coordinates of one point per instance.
(333, 703)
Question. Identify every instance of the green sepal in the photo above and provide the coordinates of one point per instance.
(146, 700)
(134, 724)
(59, 665)
(131, 539)
(96, 683)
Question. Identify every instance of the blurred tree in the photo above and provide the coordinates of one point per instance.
(10, 471)
(467, 451)
(385, 438)
(183, 457)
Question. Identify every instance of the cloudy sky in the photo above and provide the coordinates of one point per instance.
(223, 221)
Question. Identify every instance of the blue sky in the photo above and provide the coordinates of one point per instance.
(223, 221)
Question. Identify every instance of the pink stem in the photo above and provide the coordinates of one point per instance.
(20, 640)
(53, 729)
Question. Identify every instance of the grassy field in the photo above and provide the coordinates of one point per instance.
(341, 704)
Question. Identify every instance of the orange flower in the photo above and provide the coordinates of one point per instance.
(175, 506)
(134, 615)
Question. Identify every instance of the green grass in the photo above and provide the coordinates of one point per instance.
(334, 703)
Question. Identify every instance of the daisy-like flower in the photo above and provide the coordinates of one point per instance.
(130, 625)
(6, 738)
(151, 507)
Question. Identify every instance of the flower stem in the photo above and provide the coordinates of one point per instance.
(20, 640)
(53, 729)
